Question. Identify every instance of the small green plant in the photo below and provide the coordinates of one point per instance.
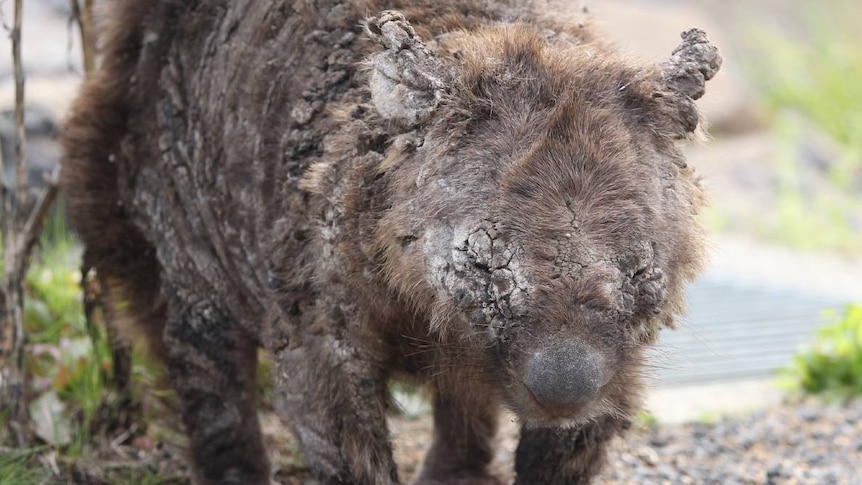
(832, 366)
(67, 360)
(16, 469)
(645, 421)
(709, 417)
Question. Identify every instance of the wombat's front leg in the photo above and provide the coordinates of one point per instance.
(573, 456)
(464, 426)
(334, 399)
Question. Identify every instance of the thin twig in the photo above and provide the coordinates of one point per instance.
(13, 388)
(5, 203)
(38, 213)
(76, 19)
(84, 19)
(20, 135)
(88, 41)
(5, 208)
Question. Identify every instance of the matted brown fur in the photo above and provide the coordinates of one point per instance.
(487, 199)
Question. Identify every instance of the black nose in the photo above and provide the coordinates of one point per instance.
(564, 377)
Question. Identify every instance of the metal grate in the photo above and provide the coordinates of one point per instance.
(736, 330)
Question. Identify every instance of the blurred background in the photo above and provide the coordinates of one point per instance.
(771, 323)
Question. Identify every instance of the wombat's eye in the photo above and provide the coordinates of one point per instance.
(640, 269)
(407, 239)
(481, 266)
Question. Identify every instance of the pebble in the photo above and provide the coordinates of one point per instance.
(806, 443)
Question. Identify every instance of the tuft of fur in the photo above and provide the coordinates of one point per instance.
(438, 193)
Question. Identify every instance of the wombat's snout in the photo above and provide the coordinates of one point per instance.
(564, 377)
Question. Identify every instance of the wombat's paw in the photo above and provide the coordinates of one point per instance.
(391, 29)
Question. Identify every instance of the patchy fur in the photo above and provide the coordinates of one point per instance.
(467, 194)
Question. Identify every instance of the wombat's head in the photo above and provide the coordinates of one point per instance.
(540, 210)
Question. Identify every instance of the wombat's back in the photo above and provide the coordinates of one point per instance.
(184, 146)
(185, 149)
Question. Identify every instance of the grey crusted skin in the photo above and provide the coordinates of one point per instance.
(684, 75)
(407, 81)
(440, 200)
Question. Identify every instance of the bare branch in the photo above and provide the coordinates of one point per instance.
(33, 225)
(88, 41)
(5, 202)
(20, 136)
(5, 199)
(13, 379)
(84, 19)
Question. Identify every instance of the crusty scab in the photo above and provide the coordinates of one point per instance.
(479, 195)
(407, 81)
(484, 277)
(552, 195)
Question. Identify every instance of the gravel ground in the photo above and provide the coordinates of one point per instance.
(804, 444)
(808, 443)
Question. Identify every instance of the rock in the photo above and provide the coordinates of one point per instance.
(800, 450)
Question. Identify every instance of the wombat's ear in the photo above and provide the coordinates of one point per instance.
(682, 79)
(407, 79)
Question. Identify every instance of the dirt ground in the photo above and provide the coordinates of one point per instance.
(801, 443)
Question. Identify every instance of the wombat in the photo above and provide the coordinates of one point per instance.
(480, 195)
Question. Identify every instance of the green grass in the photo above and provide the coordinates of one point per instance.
(832, 365)
(818, 73)
(66, 359)
(74, 407)
(645, 421)
(67, 363)
(710, 417)
(814, 75)
(16, 468)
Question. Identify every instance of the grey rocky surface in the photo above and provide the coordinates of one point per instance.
(803, 443)
(808, 443)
